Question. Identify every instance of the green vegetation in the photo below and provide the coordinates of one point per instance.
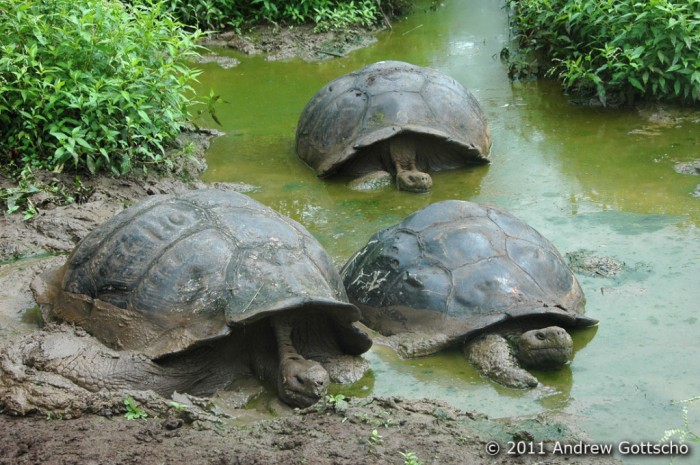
(96, 85)
(104, 85)
(224, 14)
(133, 411)
(326, 14)
(19, 198)
(683, 434)
(338, 402)
(410, 458)
(177, 405)
(375, 439)
(616, 50)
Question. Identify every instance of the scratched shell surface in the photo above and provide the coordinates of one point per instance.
(457, 267)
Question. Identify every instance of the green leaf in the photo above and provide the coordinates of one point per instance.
(635, 82)
(91, 164)
(83, 142)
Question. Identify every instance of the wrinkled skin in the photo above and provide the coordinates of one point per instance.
(403, 155)
(398, 156)
(300, 382)
(544, 349)
(62, 365)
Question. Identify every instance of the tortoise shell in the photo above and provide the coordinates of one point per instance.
(386, 98)
(176, 270)
(456, 268)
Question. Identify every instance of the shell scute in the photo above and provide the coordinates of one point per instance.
(458, 247)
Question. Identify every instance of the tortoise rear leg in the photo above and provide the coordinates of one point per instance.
(300, 382)
(492, 355)
(402, 148)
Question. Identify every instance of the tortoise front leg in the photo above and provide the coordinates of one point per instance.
(491, 355)
(402, 149)
(300, 382)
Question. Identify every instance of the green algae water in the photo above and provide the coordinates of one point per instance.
(586, 178)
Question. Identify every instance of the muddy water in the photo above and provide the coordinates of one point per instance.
(587, 178)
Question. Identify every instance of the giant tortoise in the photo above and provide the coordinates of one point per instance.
(458, 273)
(195, 290)
(392, 119)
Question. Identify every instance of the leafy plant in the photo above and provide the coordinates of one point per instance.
(684, 433)
(96, 85)
(338, 402)
(409, 458)
(211, 102)
(615, 50)
(20, 198)
(327, 14)
(133, 411)
(16, 198)
(375, 438)
(343, 15)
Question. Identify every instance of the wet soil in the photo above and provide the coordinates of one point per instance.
(278, 43)
(367, 431)
(361, 431)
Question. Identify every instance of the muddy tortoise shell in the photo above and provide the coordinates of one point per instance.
(176, 270)
(455, 268)
(381, 100)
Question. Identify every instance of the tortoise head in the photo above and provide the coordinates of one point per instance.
(301, 382)
(414, 181)
(547, 348)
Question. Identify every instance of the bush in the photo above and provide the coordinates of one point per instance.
(618, 50)
(223, 14)
(91, 85)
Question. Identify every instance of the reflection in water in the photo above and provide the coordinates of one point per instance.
(586, 178)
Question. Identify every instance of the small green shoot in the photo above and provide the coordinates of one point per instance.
(409, 458)
(338, 402)
(684, 433)
(374, 440)
(177, 405)
(133, 411)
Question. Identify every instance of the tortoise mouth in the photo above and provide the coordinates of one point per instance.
(414, 189)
